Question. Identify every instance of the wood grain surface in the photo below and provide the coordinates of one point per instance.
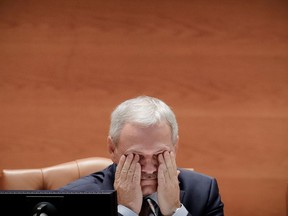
(221, 65)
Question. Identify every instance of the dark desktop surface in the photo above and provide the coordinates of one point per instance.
(57, 203)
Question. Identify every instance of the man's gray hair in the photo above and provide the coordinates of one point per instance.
(145, 111)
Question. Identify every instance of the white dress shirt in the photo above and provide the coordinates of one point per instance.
(123, 210)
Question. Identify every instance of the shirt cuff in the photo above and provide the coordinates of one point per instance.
(181, 211)
(123, 210)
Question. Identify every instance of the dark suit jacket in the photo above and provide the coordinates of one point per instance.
(198, 192)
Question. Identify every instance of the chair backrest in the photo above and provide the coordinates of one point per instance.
(52, 177)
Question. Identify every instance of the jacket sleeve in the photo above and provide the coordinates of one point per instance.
(215, 206)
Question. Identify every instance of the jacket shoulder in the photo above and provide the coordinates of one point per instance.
(101, 180)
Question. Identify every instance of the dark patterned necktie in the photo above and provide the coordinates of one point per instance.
(145, 210)
(148, 210)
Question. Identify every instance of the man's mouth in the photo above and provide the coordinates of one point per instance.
(149, 176)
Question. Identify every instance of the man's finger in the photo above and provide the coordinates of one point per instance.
(119, 167)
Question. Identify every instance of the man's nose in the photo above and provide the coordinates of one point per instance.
(149, 165)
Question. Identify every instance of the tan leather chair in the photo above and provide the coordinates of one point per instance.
(52, 177)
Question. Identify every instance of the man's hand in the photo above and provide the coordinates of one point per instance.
(168, 185)
(127, 182)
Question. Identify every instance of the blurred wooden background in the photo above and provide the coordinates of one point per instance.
(221, 65)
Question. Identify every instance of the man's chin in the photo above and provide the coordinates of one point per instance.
(148, 186)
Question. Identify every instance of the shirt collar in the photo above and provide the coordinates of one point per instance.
(153, 196)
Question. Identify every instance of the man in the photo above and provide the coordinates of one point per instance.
(142, 142)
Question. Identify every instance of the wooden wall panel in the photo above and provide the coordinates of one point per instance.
(221, 65)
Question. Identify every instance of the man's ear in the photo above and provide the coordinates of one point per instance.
(111, 148)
